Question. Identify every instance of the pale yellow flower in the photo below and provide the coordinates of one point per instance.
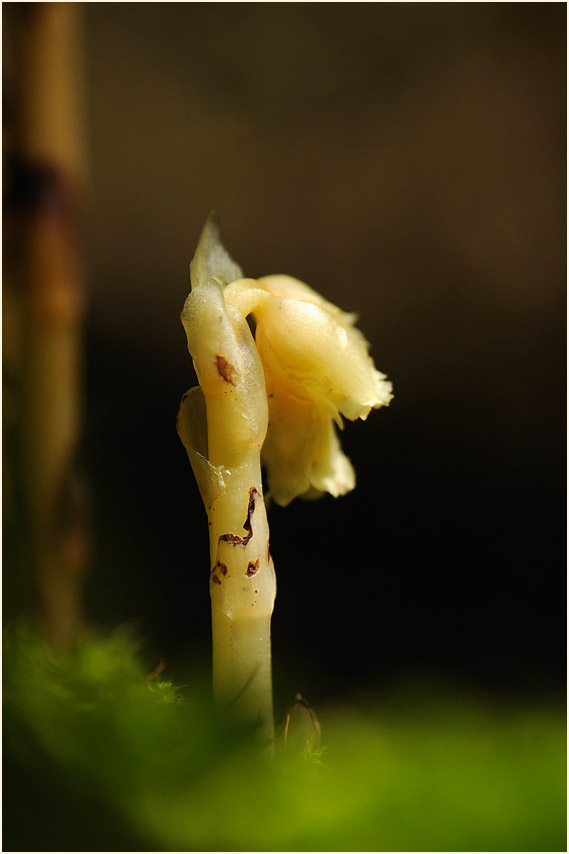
(317, 369)
(315, 363)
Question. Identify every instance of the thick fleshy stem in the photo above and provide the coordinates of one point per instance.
(223, 424)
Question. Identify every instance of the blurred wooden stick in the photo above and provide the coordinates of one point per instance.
(48, 160)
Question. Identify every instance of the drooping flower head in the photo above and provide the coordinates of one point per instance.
(315, 364)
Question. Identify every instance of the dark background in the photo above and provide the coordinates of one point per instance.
(408, 162)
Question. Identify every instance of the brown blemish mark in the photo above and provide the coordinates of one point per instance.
(250, 509)
(269, 549)
(252, 568)
(226, 370)
(235, 539)
(220, 567)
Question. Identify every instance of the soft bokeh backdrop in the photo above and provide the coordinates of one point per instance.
(407, 161)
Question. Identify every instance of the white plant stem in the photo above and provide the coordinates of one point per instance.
(242, 589)
(223, 424)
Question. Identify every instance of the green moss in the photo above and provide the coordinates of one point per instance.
(97, 757)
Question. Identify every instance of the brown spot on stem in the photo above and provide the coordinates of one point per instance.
(219, 569)
(252, 568)
(250, 509)
(235, 539)
(226, 370)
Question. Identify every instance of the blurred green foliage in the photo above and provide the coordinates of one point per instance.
(98, 757)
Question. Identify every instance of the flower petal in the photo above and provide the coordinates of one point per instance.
(302, 452)
(318, 354)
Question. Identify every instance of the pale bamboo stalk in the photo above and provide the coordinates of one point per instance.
(49, 114)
